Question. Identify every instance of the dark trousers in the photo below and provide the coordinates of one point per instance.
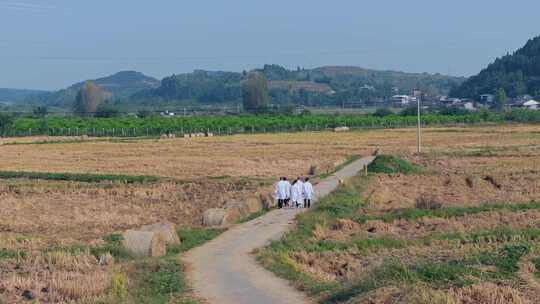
(307, 203)
(280, 203)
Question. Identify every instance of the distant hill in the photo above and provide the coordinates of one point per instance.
(434, 84)
(199, 86)
(120, 85)
(320, 86)
(17, 95)
(517, 74)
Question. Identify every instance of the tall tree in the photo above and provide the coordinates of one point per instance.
(89, 98)
(5, 122)
(500, 99)
(40, 111)
(255, 93)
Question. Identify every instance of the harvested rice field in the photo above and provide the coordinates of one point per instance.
(265, 155)
(458, 224)
(59, 240)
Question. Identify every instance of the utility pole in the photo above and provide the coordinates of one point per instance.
(419, 128)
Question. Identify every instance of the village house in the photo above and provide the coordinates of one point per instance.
(487, 98)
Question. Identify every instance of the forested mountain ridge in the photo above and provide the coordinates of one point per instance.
(118, 86)
(319, 86)
(517, 74)
(324, 85)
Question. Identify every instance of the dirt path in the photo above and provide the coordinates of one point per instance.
(223, 271)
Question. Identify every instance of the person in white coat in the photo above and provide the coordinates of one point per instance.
(308, 193)
(288, 188)
(282, 192)
(298, 190)
(295, 194)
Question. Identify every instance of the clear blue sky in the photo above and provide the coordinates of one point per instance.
(50, 44)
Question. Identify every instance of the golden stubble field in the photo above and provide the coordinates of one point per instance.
(479, 246)
(205, 173)
(267, 155)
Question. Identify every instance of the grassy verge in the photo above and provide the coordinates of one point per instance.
(415, 214)
(347, 162)
(439, 275)
(159, 281)
(193, 237)
(275, 257)
(497, 265)
(162, 280)
(78, 177)
(9, 254)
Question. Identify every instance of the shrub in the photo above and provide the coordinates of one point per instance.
(391, 164)
(383, 112)
(119, 284)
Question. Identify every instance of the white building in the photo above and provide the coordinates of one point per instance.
(401, 99)
(531, 104)
(469, 105)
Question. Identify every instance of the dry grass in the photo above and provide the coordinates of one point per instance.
(389, 192)
(53, 277)
(442, 251)
(466, 167)
(429, 225)
(65, 213)
(266, 155)
(488, 293)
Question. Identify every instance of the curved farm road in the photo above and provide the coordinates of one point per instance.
(223, 271)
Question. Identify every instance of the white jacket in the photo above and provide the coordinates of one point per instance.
(308, 191)
(281, 190)
(297, 192)
(287, 189)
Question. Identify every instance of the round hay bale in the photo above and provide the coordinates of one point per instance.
(164, 136)
(267, 200)
(242, 210)
(213, 217)
(253, 204)
(342, 129)
(219, 217)
(144, 244)
(167, 230)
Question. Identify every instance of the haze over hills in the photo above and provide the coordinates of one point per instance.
(517, 74)
(318, 86)
(9, 96)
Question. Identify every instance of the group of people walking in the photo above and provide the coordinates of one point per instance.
(297, 194)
